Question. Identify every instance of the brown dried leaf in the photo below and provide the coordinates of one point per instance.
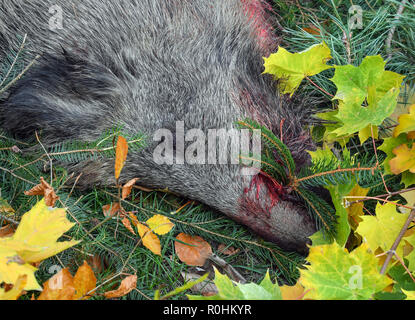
(195, 252)
(46, 190)
(126, 286)
(126, 189)
(126, 222)
(59, 287)
(112, 209)
(84, 281)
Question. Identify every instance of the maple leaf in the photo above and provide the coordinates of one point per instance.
(35, 239)
(371, 83)
(404, 160)
(292, 68)
(355, 211)
(12, 267)
(381, 231)
(58, 287)
(121, 152)
(127, 285)
(342, 227)
(333, 123)
(292, 292)
(410, 295)
(335, 274)
(84, 282)
(160, 224)
(15, 292)
(389, 144)
(64, 286)
(36, 236)
(227, 290)
(192, 250)
(406, 122)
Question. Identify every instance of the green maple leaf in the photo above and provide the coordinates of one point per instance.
(335, 274)
(292, 68)
(227, 290)
(371, 84)
(356, 118)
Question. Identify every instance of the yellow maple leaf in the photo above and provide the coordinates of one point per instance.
(381, 231)
(292, 68)
(160, 224)
(15, 292)
(406, 122)
(36, 237)
(150, 240)
(34, 240)
(404, 160)
(12, 267)
(292, 292)
(335, 274)
(410, 295)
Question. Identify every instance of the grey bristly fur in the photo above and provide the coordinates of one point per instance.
(146, 64)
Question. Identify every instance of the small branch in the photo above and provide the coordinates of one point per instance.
(384, 195)
(14, 61)
(353, 170)
(9, 220)
(320, 88)
(395, 245)
(20, 75)
(47, 154)
(378, 199)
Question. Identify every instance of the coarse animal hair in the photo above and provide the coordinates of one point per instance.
(147, 64)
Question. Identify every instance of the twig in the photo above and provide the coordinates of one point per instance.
(20, 75)
(16, 176)
(385, 195)
(47, 154)
(395, 245)
(377, 159)
(2, 217)
(231, 271)
(378, 199)
(320, 88)
(15, 60)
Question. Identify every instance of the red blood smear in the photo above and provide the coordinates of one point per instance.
(257, 11)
